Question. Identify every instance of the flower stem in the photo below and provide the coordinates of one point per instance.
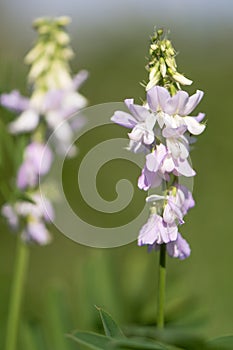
(20, 271)
(162, 284)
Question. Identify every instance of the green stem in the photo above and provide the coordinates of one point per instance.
(20, 271)
(162, 285)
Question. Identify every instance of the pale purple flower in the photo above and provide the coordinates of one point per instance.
(35, 215)
(188, 201)
(176, 203)
(173, 111)
(179, 249)
(179, 201)
(10, 214)
(159, 164)
(176, 142)
(37, 232)
(64, 102)
(56, 106)
(141, 121)
(41, 208)
(176, 249)
(173, 210)
(157, 231)
(37, 161)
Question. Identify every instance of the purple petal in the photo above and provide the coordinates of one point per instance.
(152, 163)
(199, 117)
(9, 213)
(174, 132)
(27, 176)
(161, 152)
(183, 167)
(14, 101)
(124, 119)
(37, 232)
(149, 179)
(168, 232)
(179, 249)
(176, 103)
(128, 102)
(188, 201)
(140, 113)
(40, 156)
(177, 211)
(193, 102)
(79, 79)
(53, 100)
(148, 233)
(157, 98)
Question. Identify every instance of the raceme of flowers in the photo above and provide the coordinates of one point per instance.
(53, 100)
(161, 128)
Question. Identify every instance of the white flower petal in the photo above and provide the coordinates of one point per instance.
(26, 122)
(193, 126)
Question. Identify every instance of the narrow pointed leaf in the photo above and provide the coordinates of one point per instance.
(111, 329)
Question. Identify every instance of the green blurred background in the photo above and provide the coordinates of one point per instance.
(65, 278)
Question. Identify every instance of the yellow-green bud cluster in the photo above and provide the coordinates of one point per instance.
(162, 66)
(50, 56)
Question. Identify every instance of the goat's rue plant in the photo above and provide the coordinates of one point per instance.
(163, 130)
(53, 99)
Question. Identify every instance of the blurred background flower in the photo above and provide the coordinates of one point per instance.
(111, 41)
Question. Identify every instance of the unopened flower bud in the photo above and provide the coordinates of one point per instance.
(160, 32)
(181, 79)
(38, 68)
(154, 47)
(34, 53)
(62, 38)
(162, 46)
(163, 68)
(170, 51)
(153, 71)
(154, 81)
(171, 62)
(67, 54)
(63, 21)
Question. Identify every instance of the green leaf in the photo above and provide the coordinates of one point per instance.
(96, 341)
(140, 344)
(93, 341)
(223, 343)
(111, 329)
